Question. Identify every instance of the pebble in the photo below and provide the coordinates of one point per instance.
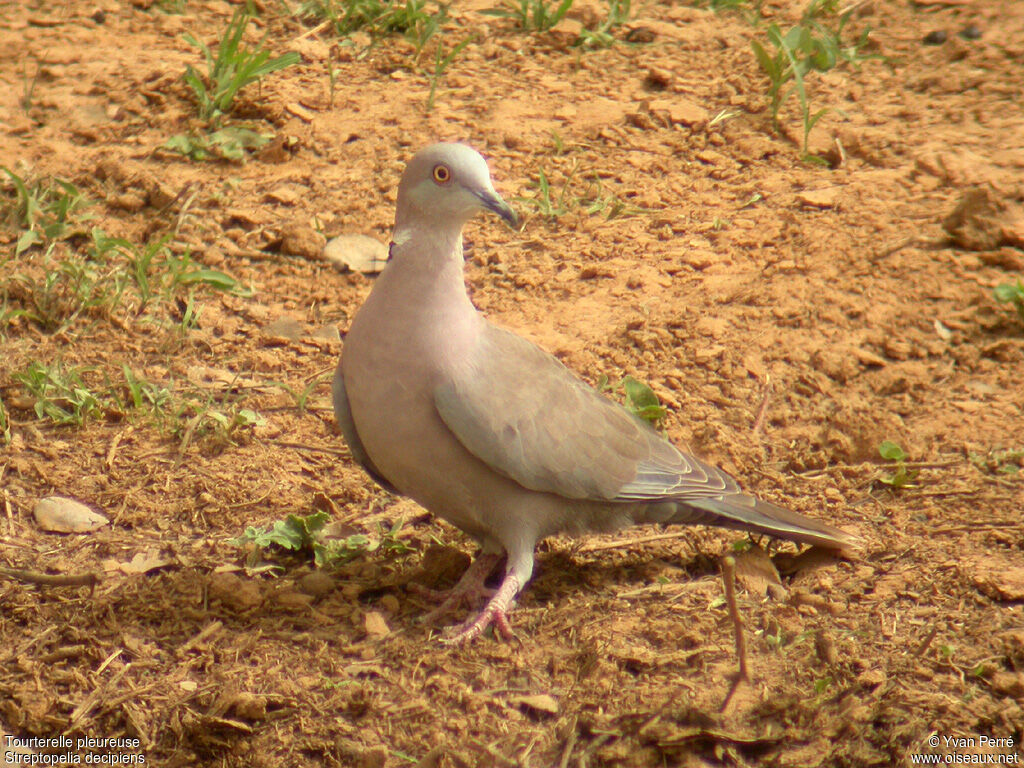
(970, 32)
(935, 37)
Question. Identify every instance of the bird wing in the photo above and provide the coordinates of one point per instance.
(518, 409)
(343, 416)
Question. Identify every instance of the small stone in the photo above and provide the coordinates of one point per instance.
(234, 592)
(541, 703)
(316, 583)
(1002, 584)
(283, 330)
(61, 515)
(935, 37)
(302, 240)
(375, 624)
(970, 32)
(356, 253)
(681, 111)
(1008, 684)
(818, 198)
(327, 333)
(640, 35)
(658, 77)
(983, 221)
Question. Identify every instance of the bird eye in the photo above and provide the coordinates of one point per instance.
(442, 174)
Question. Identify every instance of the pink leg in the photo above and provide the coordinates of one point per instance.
(469, 589)
(495, 612)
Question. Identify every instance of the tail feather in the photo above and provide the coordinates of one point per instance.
(742, 512)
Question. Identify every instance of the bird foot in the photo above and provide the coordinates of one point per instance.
(470, 588)
(494, 613)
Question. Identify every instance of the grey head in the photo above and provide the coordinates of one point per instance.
(444, 186)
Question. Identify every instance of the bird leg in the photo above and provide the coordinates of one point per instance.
(470, 587)
(495, 612)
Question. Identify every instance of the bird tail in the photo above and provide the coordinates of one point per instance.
(742, 512)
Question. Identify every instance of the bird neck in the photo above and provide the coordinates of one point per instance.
(429, 262)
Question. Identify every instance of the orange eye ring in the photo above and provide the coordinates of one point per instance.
(442, 174)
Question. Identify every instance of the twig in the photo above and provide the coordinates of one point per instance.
(602, 545)
(766, 390)
(52, 579)
(892, 248)
(729, 579)
(184, 209)
(315, 30)
(495, 754)
(999, 525)
(570, 743)
(927, 641)
(313, 448)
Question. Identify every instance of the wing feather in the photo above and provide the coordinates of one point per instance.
(517, 408)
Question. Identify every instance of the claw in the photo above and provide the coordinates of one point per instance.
(494, 613)
(470, 588)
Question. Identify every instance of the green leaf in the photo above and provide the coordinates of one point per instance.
(1007, 292)
(210, 277)
(892, 451)
(26, 240)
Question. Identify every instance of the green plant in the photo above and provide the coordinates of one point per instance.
(543, 201)
(234, 67)
(902, 476)
(60, 394)
(810, 45)
(638, 398)
(28, 85)
(601, 35)
(596, 200)
(593, 200)
(229, 143)
(999, 461)
(5, 424)
(309, 534)
(749, 9)
(379, 18)
(440, 65)
(107, 276)
(56, 292)
(142, 393)
(423, 28)
(46, 211)
(531, 15)
(1008, 293)
(641, 400)
(301, 397)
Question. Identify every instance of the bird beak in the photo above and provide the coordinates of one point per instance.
(490, 200)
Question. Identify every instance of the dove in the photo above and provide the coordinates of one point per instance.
(493, 434)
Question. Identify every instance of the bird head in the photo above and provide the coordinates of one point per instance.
(447, 184)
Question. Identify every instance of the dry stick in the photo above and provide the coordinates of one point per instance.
(598, 546)
(763, 409)
(570, 742)
(729, 579)
(927, 641)
(51, 579)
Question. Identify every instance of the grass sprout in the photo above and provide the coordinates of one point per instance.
(531, 15)
(1010, 293)
(232, 69)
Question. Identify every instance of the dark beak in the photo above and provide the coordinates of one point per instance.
(492, 202)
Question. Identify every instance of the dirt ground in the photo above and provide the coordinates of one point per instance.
(733, 269)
